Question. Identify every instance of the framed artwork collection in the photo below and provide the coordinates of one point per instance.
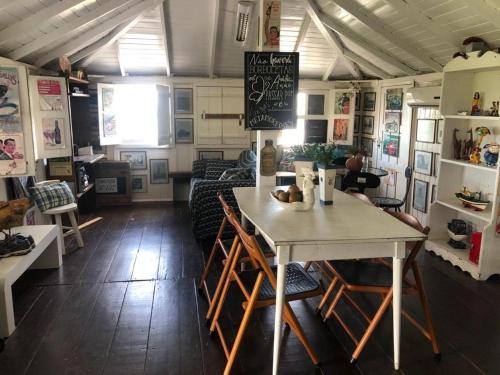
(369, 99)
(394, 100)
(392, 122)
(183, 101)
(137, 159)
(420, 195)
(426, 130)
(340, 129)
(184, 130)
(367, 124)
(367, 145)
(212, 155)
(423, 162)
(158, 171)
(342, 105)
(139, 183)
(390, 144)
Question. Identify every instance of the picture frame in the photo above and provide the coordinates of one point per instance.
(366, 144)
(367, 124)
(342, 105)
(390, 144)
(394, 99)
(426, 130)
(316, 104)
(183, 101)
(392, 122)
(437, 159)
(212, 155)
(420, 188)
(433, 193)
(340, 129)
(369, 100)
(423, 162)
(357, 106)
(357, 122)
(439, 131)
(137, 159)
(184, 131)
(158, 171)
(139, 183)
(355, 141)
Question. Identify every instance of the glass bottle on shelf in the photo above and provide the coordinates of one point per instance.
(268, 159)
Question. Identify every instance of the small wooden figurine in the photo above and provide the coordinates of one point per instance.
(476, 105)
(475, 156)
(457, 145)
(494, 108)
(468, 146)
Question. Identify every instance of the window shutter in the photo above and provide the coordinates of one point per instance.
(109, 132)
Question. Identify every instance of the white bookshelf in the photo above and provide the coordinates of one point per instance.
(461, 79)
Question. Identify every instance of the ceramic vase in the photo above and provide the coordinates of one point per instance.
(355, 163)
(327, 175)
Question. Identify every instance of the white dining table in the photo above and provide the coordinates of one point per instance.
(348, 229)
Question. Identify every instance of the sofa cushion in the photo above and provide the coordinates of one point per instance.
(247, 159)
(238, 174)
(199, 167)
(215, 168)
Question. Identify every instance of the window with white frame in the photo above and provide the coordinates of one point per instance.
(134, 114)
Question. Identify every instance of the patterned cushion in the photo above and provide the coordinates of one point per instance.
(215, 168)
(247, 159)
(199, 167)
(50, 196)
(238, 174)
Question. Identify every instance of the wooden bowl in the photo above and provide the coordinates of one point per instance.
(295, 206)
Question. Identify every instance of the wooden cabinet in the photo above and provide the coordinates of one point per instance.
(221, 131)
(462, 78)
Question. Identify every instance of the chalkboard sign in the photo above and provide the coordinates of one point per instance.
(271, 87)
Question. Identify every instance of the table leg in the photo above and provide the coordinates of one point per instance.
(7, 323)
(397, 263)
(282, 255)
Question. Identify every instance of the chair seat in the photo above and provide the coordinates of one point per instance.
(266, 249)
(365, 273)
(386, 202)
(297, 282)
(61, 209)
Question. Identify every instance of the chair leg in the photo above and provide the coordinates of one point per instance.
(307, 265)
(425, 307)
(371, 327)
(334, 303)
(76, 230)
(327, 294)
(59, 224)
(299, 332)
(244, 323)
(208, 266)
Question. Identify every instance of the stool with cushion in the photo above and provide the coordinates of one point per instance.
(54, 198)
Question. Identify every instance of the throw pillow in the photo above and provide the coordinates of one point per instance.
(238, 174)
(247, 159)
(50, 196)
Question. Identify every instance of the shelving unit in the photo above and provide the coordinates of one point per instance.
(461, 79)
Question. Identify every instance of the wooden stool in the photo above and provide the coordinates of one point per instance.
(57, 212)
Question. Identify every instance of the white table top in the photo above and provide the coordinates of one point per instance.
(348, 220)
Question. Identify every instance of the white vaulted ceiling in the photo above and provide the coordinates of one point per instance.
(335, 38)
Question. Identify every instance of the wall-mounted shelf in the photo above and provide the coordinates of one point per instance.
(81, 95)
(468, 117)
(466, 164)
(77, 80)
(457, 205)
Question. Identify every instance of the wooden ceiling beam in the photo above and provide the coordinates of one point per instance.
(484, 9)
(374, 23)
(165, 33)
(67, 28)
(302, 32)
(83, 39)
(121, 64)
(375, 70)
(212, 47)
(38, 19)
(89, 53)
(330, 68)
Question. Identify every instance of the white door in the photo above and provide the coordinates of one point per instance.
(233, 130)
(209, 100)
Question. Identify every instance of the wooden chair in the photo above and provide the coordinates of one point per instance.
(376, 277)
(394, 203)
(258, 286)
(224, 246)
(57, 212)
(359, 181)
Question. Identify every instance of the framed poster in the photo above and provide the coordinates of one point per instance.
(342, 105)
(158, 171)
(392, 122)
(369, 99)
(315, 104)
(137, 159)
(184, 130)
(271, 106)
(183, 101)
(367, 145)
(357, 106)
(423, 162)
(367, 123)
(426, 130)
(272, 24)
(53, 133)
(139, 183)
(394, 100)
(390, 144)
(213, 155)
(420, 195)
(340, 129)
(106, 185)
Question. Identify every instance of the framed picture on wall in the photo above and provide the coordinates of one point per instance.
(342, 105)
(423, 162)
(183, 101)
(367, 123)
(340, 129)
(426, 130)
(137, 159)
(316, 104)
(357, 120)
(367, 146)
(433, 193)
(420, 195)
(184, 130)
(139, 183)
(357, 106)
(392, 122)
(212, 155)
(390, 144)
(158, 171)
(439, 131)
(369, 99)
(394, 99)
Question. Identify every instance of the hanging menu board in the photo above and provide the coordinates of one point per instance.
(271, 87)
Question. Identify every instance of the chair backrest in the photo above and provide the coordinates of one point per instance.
(415, 247)
(361, 197)
(408, 174)
(360, 181)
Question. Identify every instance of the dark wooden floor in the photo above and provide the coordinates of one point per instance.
(127, 304)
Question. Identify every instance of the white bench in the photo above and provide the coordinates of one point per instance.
(46, 254)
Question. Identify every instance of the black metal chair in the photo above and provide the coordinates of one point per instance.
(359, 181)
(394, 203)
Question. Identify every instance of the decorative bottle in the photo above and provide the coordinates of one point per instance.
(57, 133)
(268, 159)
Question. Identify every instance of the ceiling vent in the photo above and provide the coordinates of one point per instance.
(243, 15)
